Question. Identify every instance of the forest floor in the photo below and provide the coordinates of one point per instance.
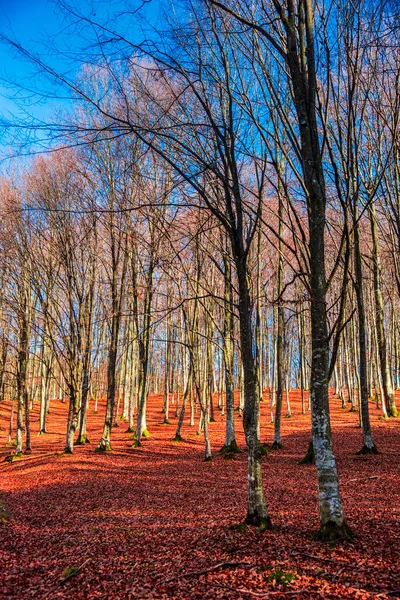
(150, 522)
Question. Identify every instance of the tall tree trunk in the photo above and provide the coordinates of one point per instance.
(73, 418)
(301, 64)
(22, 387)
(230, 445)
(105, 441)
(280, 325)
(257, 513)
(379, 316)
(368, 442)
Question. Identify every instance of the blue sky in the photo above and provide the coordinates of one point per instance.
(30, 22)
(27, 17)
(40, 25)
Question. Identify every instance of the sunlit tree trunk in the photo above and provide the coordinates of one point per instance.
(228, 354)
(379, 316)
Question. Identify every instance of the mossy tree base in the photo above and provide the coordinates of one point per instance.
(309, 458)
(144, 434)
(42, 432)
(262, 523)
(68, 451)
(177, 438)
(166, 422)
(334, 532)
(208, 459)
(82, 440)
(365, 450)
(228, 451)
(264, 449)
(104, 447)
(394, 413)
(130, 430)
(11, 457)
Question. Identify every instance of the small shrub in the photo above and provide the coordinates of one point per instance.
(69, 571)
(280, 577)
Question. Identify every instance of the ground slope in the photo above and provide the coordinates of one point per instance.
(150, 522)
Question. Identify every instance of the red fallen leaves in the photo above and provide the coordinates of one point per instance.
(144, 519)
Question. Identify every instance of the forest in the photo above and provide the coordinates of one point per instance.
(199, 305)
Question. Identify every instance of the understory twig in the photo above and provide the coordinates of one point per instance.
(323, 558)
(24, 459)
(259, 594)
(60, 583)
(222, 565)
(361, 479)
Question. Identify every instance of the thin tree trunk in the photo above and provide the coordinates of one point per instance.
(379, 312)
